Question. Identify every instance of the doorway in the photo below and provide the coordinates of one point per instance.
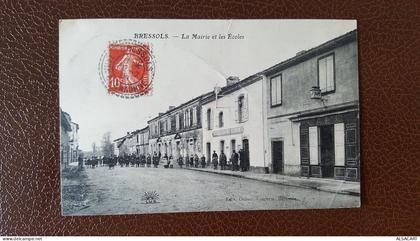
(233, 145)
(277, 156)
(222, 146)
(208, 152)
(327, 150)
(245, 145)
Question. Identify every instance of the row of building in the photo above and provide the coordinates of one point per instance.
(69, 140)
(298, 117)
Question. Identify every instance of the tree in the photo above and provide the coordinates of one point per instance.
(107, 146)
(94, 149)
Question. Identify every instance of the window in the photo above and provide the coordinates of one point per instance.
(194, 110)
(181, 120)
(241, 108)
(222, 146)
(177, 122)
(326, 78)
(221, 119)
(209, 119)
(199, 116)
(276, 90)
(185, 118)
(173, 123)
(191, 117)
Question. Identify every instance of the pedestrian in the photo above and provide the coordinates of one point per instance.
(191, 161)
(234, 158)
(171, 162)
(148, 160)
(180, 161)
(223, 160)
(142, 160)
(215, 161)
(80, 162)
(203, 161)
(155, 160)
(196, 161)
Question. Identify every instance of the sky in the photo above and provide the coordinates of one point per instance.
(184, 69)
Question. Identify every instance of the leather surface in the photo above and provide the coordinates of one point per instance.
(389, 51)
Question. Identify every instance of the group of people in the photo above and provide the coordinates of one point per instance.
(236, 162)
(124, 161)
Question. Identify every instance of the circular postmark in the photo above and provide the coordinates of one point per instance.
(127, 68)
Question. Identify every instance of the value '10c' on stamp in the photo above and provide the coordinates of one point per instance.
(130, 69)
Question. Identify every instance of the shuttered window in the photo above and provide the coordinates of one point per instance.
(177, 122)
(221, 119)
(194, 110)
(313, 145)
(209, 119)
(242, 113)
(326, 73)
(276, 90)
(339, 144)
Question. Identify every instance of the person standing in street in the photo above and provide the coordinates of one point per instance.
(223, 160)
(155, 160)
(235, 159)
(215, 160)
(203, 161)
(196, 160)
(180, 161)
(148, 160)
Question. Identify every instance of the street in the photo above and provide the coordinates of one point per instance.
(98, 191)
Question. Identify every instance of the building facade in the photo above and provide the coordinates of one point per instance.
(69, 139)
(233, 120)
(142, 139)
(313, 112)
(177, 132)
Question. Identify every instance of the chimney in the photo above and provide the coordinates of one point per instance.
(300, 52)
(171, 107)
(161, 113)
(232, 80)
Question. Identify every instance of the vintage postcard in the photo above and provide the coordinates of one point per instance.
(162, 116)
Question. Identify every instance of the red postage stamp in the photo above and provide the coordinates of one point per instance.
(129, 72)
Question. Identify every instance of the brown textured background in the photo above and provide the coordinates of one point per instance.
(389, 53)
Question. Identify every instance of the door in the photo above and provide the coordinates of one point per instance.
(277, 156)
(245, 144)
(232, 145)
(208, 151)
(222, 146)
(327, 150)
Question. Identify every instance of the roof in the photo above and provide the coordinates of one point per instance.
(198, 98)
(303, 56)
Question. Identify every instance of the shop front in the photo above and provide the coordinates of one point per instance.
(329, 144)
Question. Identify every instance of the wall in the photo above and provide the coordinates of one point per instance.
(296, 84)
(252, 128)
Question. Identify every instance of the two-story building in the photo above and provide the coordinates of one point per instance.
(312, 105)
(177, 132)
(233, 119)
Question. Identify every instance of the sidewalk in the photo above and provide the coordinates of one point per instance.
(326, 185)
